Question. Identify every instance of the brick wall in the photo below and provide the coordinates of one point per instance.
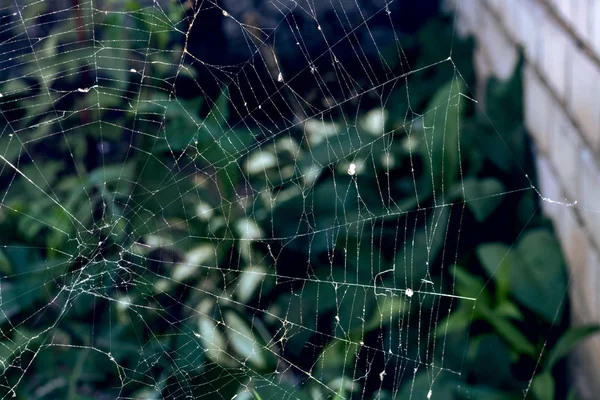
(561, 43)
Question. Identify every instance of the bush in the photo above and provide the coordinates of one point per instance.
(163, 240)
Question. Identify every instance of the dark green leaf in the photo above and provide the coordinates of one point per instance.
(219, 113)
(189, 353)
(537, 273)
(504, 101)
(338, 355)
(214, 342)
(271, 389)
(492, 352)
(249, 347)
(422, 386)
(413, 260)
(510, 310)
(568, 341)
(482, 196)
(494, 256)
(389, 308)
(467, 284)
(455, 322)
(497, 259)
(507, 331)
(481, 392)
(441, 135)
(542, 386)
(540, 281)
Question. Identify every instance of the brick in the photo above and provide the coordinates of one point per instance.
(584, 289)
(564, 150)
(593, 268)
(509, 9)
(463, 29)
(473, 9)
(586, 357)
(581, 18)
(583, 99)
(572, 237)
(583, 364)
(589, 194)
(497, 6)
(553, 55)
(565, 9)
(500, 51)
(526, 25)
(467, 16)
(512, 11)
(548, 187)
(595, 25)
(537, 108)
(575, 245)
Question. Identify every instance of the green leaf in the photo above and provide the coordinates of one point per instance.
(507, 331)
(455, 322)
(412, 262)
(573, 394)
(494, 256)
(389, 308)
(234, 143)
(219, 113)
(422, 386)
(12, 301)
(333, 148)
(309, 301)
(179, 135)
(494, 353)
(5, 267)
(213, 342)
(353, 304)
(181, 126)
(267, 389)
(111, 173)
(343, 386)
(441, 135)
(222, 383)
(467, 284)
(382, 394)
(189, 353)
(44, 177)
(509, 309)
(337, 356)
(10, 148)
(504, 112)
(481, 392)
(568, 341)
(452, 346)
(542, 386)
(250, 280)
(482, 196)
(537, 273)
(244, 341)
(15, 347)
(496, 259)
(540, 281)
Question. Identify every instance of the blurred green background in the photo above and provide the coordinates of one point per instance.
(205, 200)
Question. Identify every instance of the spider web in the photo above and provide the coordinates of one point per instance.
(205, 228)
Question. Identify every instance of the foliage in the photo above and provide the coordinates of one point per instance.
(165, 260)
